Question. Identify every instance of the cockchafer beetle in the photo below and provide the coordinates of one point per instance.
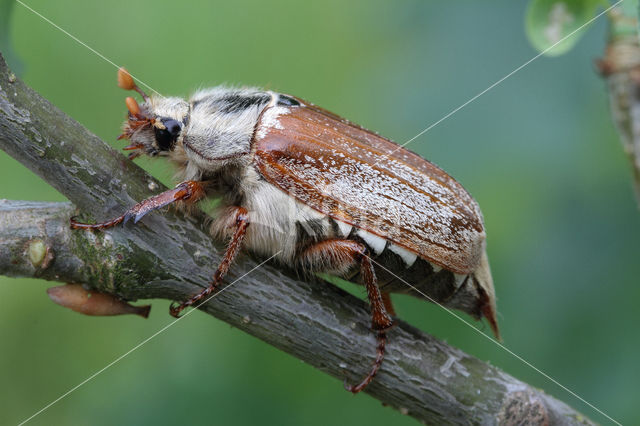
(322, 193)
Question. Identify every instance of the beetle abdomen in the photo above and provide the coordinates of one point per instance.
(398, 269)
(395, 266)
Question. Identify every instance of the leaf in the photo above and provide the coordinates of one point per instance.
(549, 21)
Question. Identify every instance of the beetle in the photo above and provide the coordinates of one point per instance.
(318, 192)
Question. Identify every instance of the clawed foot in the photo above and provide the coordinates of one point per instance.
(185, 191)
(79, 225)
(382, 339)
(176, 308)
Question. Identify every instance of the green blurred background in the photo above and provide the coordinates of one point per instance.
(538, 152)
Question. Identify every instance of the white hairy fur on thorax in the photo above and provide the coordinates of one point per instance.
(215, 135)
(273, 217)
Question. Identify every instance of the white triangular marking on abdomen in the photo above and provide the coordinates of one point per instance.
(407, 256)
(459, 279)
(376, 243)
(345, 228)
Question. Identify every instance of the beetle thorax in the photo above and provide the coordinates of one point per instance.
(220, 126)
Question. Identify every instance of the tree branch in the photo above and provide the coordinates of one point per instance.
(172, 257)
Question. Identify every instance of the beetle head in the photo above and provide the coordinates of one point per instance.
(155, 126)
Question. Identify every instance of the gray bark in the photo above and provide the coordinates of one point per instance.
(172, 257)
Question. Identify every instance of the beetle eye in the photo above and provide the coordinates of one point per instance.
(166, 138)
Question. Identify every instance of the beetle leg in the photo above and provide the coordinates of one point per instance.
(388, 304)
(190, 191)
(340, 255)
(241, 224)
